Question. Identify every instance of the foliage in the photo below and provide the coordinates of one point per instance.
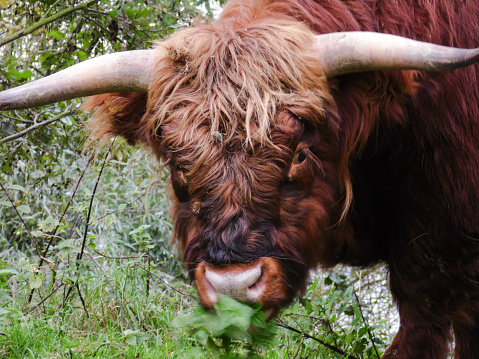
(39, 169)
(231, 325)
(336, 312)
(165, 321)
(86, 269)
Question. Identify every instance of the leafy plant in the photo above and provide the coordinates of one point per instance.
(232, 326)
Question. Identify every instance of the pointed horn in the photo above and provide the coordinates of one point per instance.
(347, 52)
(118, 72)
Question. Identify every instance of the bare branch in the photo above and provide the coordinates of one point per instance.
(34, 127)
(306, 335)
(44, 299)
(80, 255)
(365, 322)
(110, 257)
(17, 118)
(164, 282)
(81, 299)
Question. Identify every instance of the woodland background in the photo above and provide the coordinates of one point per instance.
(86, 268)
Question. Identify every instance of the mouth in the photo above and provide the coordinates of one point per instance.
(261, 282)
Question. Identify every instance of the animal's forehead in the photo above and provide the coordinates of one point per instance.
(235, 87)
(201, 141)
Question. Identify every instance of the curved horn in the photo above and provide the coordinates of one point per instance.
(118, 72)
(347, 52)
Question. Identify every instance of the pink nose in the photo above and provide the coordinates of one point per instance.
(242, 283)
(244, 286)
(261, 281)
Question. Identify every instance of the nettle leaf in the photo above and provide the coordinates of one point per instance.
(67, 246)
(7, 169)
(36, 283)
(24, 75)
(234, 313)
(231, 322)
(25, 209)
(48, 224)
(110, 220)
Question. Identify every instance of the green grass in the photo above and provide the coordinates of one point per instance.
(133, 316)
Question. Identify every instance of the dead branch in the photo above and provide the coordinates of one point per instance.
(306, 335)
(37, 125)
(44, 299)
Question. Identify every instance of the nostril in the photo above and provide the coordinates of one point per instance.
(211, 292)
(256, 282)
(251, 276)
(256, 289)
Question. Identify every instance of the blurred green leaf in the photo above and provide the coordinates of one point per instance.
(25, 209)
(16, 187)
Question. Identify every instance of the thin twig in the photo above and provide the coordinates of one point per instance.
(51, 8)
(81, 299)
(148, 277)
(52, 238)
(17, 118)
(34, 127)
(112, 288)
(66, 295)
(97, 24)
(102, 13)
(110, 257)
(44, 22)
(44, 299)
(299, 348)
(306, 335)
(80, 254)
(141, 195)
(164, 282)
(365, 322)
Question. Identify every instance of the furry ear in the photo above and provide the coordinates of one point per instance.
(116, 114)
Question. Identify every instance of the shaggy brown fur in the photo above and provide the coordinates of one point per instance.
(266, 155)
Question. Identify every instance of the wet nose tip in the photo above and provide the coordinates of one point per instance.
(241, 285)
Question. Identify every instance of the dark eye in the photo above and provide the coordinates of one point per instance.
(299, 157)
(180, 183)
